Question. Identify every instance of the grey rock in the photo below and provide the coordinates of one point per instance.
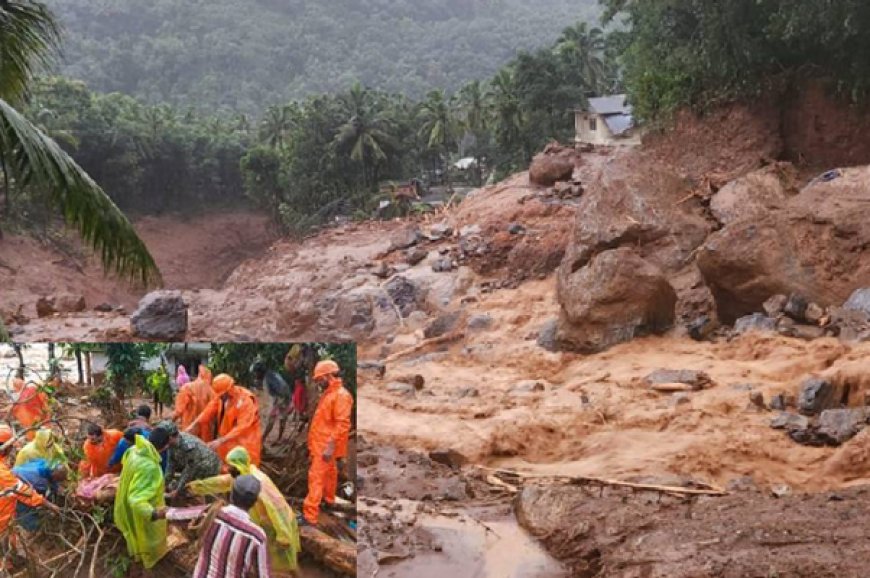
(439, 231)
(160, 315)
(480, 322)
(104, 308)
(404, 294)
(754, 322)
(467, 392)
(814, 313)
(796, 307)
(702, 327)
(815, 395)
(442, 265)
(840, 425)
(516, 229)
(547, 335)
(777, 402)
(414, 256)
(859, 300)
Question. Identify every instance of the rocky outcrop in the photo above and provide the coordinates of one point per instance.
(616, 297)
(161, 315)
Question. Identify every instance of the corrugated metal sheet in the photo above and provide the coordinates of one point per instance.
(618, 123)
(613, 104)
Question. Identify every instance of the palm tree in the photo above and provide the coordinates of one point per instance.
(30, 36)
(438, 127)
(507, 110)
(276, 126)
(583, 50)
(367, 134)
(476, 106)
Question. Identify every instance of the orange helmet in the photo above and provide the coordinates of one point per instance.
(222, 383)
(324, 368)
(5, 433)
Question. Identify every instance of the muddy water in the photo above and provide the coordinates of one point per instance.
(496, 548)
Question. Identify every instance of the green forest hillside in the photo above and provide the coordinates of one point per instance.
(242, 55)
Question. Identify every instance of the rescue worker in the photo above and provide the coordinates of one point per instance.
(189, 457)
(30, 405)
(42, 477)
(44, 445)
(13, 491)
(140, 425)
(191, 400)
(237, 418)
(327, 438)
(279, 391)
(98, 450)
(140, 507)
(271, 512)
(298, 363)
(129, 441)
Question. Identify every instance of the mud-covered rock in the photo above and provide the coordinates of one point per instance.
(160, 315)
(702, 327)
(617, 297)
(755, 194)
(443, 264)
(439, 231)
(814, 313)
(549, 167)
(790, 422)
(775, 305)
(415, 255)
(449, 457)
(406, 238)
(815, 395)
(443, 325)
(696, 379)
(547, 335)
(63, 303)
(480, 322)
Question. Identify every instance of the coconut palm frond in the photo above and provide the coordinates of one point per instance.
(33, 159)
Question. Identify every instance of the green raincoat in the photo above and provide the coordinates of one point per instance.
(271, 512)
(140, 492)
(44, 446)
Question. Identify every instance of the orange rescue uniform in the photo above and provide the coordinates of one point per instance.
(13, 490)
(192, 399)
(97, 456)
(31, 406)
(238, 418)
(331, 423)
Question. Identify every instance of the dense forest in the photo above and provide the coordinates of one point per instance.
(694, 53)
(309, 160)
(243, 56)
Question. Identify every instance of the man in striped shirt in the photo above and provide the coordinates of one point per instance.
(233, 544)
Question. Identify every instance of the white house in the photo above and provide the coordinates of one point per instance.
(606, 121)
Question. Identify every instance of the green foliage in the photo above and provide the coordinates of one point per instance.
(158, 384)
(698, 53)
(242, 56)
(124, 365)
(120, 565)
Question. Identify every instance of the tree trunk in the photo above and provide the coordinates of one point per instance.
(88, 376)
(20, 354)
(78, 353)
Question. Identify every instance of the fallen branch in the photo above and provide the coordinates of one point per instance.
(423, 344)
(582, 480)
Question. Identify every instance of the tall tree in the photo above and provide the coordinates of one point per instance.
(276, 125)
(29, 158)
(366, 135)
(582, 49)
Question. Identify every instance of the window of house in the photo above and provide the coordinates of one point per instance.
(593, 124)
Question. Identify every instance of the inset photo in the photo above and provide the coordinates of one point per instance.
(178, 459)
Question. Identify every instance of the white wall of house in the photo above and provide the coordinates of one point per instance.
(590, 128)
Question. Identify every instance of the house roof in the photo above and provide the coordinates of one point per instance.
(618, 123)
(611, 104)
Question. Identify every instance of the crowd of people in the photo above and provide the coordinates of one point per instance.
(212, 446)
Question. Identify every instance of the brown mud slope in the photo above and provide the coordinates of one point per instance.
(620, 534)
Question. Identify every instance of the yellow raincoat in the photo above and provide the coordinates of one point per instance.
(271, 512)
(44, 446)
(140, 492)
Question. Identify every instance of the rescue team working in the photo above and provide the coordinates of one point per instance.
(215, 451)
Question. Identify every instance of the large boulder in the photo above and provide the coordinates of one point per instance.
(615, 298)
(552, 165)
(814, 246)
(404, 293)
(756, 194)
(815, 395)
(160, 315)
(362, 312)
(63, 303)
(637, 203)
